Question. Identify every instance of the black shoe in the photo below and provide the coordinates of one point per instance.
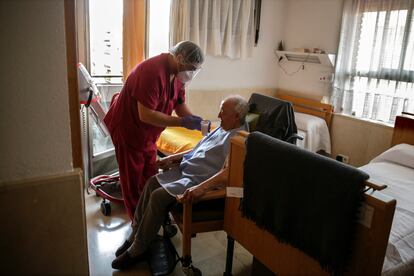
(124, 261)
(123, 248)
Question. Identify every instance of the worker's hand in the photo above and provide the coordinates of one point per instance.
(191, 122)
(191, 195)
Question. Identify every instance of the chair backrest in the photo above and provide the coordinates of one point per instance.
(276, 119)
(261, 103)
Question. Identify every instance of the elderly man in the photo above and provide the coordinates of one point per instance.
(189, 176)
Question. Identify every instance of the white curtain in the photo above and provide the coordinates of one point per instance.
(219, 27)
(374, 71)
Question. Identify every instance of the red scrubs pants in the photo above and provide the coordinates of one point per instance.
(135, 167)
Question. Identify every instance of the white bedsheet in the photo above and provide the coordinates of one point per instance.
(399, 259)
(315, 131)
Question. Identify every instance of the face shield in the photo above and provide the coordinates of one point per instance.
(186, 76)
(189, 65)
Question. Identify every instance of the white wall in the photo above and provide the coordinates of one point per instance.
(312, 24)
(359, 140)
(316, 24)
(45, 230)
(309, 24)
(258, 71)
(300, 24)
(34, 125)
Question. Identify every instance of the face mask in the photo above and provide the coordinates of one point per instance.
(185, 76)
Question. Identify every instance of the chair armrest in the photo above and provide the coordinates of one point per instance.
(243, 133)
(292, 138)
(375, 187)
(213, 194)
(186, 226)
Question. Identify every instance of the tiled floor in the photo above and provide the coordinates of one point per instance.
(105, 234)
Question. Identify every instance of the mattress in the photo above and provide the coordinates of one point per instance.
(315, 132)
(399, 259)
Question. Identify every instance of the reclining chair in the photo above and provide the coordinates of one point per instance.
(269, 115)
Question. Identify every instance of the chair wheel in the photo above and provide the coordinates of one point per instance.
(192, 271)
(106, 207)
(170, 230)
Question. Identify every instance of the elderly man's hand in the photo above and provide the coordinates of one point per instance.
(191, 195)
(166, 163)
(163, 163)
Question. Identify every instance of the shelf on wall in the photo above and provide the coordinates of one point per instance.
(322, 59)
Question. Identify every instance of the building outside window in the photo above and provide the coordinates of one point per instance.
(158, 27)
(105, 36)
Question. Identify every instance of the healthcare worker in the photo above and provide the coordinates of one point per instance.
(142, 110)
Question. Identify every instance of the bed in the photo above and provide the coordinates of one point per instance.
(312, 119)
(390, 184)
(395, 169)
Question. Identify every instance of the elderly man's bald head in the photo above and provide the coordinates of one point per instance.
(233, 112)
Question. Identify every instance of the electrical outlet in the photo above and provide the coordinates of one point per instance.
(325, 77)
(342, 158)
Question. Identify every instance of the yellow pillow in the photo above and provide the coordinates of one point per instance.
(178, 139)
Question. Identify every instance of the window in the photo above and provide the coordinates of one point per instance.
(159, 23)
(105, 45)
(105, 59)
(382, 45)
(105, 35)
(375, 66)
(106, 66)
(105, 30)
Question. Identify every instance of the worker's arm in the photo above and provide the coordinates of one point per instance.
(194, 193)
(182, 110)
(156, 118)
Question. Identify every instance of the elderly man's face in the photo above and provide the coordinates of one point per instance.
(229, 117)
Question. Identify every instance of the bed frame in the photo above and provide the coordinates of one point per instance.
(308, 106)
(281, 259)
(372, 232)
(403, 129)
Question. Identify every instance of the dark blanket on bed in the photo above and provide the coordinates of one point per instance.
(306, 200)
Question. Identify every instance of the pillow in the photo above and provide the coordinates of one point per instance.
(402, 154)
(177, 139)
(251, 120)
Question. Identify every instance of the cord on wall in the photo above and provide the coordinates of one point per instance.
(301, 66)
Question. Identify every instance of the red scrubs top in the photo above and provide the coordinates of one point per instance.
(134, 140)
(148, 83)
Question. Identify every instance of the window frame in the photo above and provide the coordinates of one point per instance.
(99, 78)
(389, 73)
